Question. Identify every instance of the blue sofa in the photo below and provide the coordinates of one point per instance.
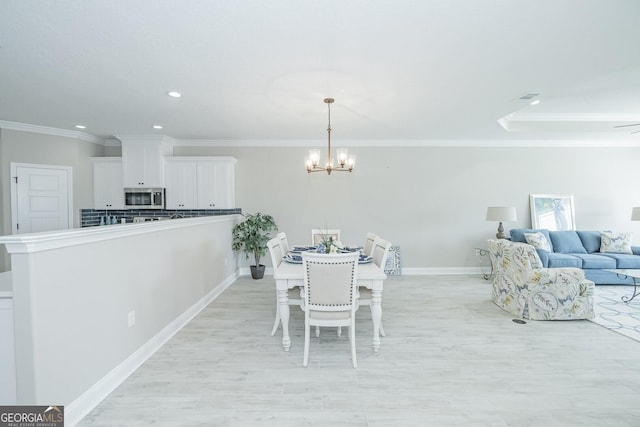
(581, 249)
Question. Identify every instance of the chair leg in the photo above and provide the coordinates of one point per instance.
(352, 335)
(276, 322)
(307, 332)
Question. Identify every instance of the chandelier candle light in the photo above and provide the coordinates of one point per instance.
(346, 162)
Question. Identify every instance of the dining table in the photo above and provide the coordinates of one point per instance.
(290, 275)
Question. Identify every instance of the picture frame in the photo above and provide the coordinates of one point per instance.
(554, 212)
(392, 266)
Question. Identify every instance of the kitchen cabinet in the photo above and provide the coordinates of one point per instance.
(143, 161)
(181, 182)
(217, 183)
(108, 189)
(200, 182)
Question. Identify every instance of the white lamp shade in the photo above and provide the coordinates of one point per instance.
(635, 214)
(502, 213)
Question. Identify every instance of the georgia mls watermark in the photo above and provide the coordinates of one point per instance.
(31, 416)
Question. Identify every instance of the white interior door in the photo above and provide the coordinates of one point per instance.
(41, 198)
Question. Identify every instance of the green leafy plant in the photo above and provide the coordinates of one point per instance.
(251, 235)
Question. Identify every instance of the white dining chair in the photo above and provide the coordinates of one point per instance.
(284, 243)
(318, 235)
(329, 295)
(275, 250)
(380, 253)
(367, 249)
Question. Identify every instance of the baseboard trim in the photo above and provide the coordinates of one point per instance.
(84, 404)
(426, 271)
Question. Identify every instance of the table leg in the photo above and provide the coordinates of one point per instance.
(376, 316)
(635, 293)
(283, 300)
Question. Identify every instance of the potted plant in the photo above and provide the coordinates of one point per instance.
(251, 237)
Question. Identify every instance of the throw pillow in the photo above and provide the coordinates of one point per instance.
(616, 243)
(566, 242)
(538, 240)
(517, 235)
(590, 240)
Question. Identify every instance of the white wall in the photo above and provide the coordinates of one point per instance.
(431, 201)
(72, 303)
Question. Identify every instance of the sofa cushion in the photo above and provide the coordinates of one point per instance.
(538, 241)
(564, 260)
(590, 240)
(603, 277)
(596, 261)
(566, 242)
(544, 257)
(625, 260)
(617, 243)
(517, 235)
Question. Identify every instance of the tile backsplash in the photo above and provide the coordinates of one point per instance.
(93, 217)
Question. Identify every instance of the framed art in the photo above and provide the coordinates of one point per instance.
(552, 211)
(392, 266)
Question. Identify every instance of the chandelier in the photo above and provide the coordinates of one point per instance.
(346, 162)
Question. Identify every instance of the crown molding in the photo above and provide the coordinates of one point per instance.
(24, 127)
(554, 143)
(577, 141)
(146, 137)
(113, 142)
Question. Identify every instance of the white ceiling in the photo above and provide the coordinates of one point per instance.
(259, 70)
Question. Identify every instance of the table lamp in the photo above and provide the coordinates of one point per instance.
(502, 213)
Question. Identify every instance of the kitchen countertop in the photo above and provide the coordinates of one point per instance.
(36, 242)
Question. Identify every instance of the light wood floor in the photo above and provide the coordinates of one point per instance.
(450, 358)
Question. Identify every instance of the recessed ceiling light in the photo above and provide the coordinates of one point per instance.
(174, 94)
(157, 127)
(536, 102)
(81, 126)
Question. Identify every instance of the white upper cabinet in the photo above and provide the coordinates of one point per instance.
(217, 183)
(181, 182)
(143, 161)
(108, 190)
(200, 182)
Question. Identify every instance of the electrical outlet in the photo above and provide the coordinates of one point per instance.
(132, 318)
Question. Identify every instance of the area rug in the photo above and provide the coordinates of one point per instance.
(613, 313)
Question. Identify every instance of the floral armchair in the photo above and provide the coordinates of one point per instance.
(523, 287)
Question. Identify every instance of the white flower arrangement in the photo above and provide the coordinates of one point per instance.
(329, 246)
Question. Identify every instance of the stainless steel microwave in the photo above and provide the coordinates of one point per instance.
(144, 198)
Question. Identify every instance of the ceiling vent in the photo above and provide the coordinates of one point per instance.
(527, 96)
